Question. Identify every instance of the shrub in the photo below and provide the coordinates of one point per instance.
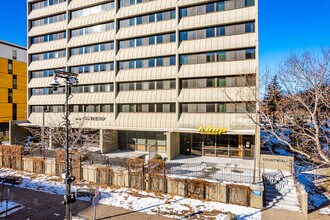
(158, 157)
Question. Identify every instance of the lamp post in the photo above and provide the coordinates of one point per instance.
(70, 80)
(43, 132)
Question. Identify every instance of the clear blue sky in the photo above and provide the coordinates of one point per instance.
(284, 26)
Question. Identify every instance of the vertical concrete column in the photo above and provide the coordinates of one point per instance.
(108, 141)
(172, 144)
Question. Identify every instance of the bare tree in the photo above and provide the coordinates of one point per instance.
(302, 117)
(80, 138)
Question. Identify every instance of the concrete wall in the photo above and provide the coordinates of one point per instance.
(218, 192)
(275, 162)
(16, 133)
(173, 144)
(302, 198)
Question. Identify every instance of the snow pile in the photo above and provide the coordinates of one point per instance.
(325, 211)
(166, 205)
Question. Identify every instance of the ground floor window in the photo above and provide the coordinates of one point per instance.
(238, 146)
(141, 140)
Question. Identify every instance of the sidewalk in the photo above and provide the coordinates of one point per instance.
(280, 214)
(110, 212)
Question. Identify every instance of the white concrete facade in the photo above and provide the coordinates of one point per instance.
(234, 12)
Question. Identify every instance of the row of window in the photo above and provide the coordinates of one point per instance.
(158, 61)
(75, 89)
(147, 85)
(93, 68)
(145, 41)
(92, 29)
(49, 37)
(73, 108)
(217, 31)
(220, 56)
(92, 48)
(157, 39)
(49, 55)
(224, 81)
(160, 107)
(93, 10)
(214, 7)
(45, 3)
(241, 107)
(49, 20)
(44, 73)
(125, 3)
(145, 63)
(146, 19)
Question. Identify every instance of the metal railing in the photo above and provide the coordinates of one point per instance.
(105, 160)
(214, 172)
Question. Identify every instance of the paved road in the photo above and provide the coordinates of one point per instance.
(40, 205)
(114, 213)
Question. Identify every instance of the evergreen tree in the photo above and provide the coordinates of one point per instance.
(272, 98)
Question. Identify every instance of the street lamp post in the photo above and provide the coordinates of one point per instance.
(70, 80)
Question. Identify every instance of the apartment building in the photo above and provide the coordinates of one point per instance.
(176, 74)
(13, 86)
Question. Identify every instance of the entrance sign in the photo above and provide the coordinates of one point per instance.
(209, 130)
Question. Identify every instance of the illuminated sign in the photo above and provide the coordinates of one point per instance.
(209, 130)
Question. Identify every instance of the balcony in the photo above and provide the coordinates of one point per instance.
(217, 18)
(154, 73)
(49, 64)
(151, 96)
(77, 4)
(91, 38)
(148, 7)
(147, 51)
(147, 29)
(228, 94)
(218, 43)
(157, 121)
(219, 69)
(92, 19)
(47, 46)
(47, 29)
(48, 11)
(90, 58)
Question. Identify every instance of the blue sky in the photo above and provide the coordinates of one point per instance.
(284, 26)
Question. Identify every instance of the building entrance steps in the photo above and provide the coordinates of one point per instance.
(280, 191)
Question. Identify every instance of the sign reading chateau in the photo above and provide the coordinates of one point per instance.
(210, 130)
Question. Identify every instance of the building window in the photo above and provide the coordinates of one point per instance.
(10, 95)
(146, 19)
(217, 56)
(147, 63)
(10, 66)
(48, 20)
(14, 111)
(14, 54)
(93, 10)
(14, 82)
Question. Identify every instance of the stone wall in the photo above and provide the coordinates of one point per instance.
(275, 162)
(193, 188)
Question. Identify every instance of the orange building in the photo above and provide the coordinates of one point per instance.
(13, 83)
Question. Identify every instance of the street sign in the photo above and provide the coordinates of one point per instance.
(96, 198)
(256, 193)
